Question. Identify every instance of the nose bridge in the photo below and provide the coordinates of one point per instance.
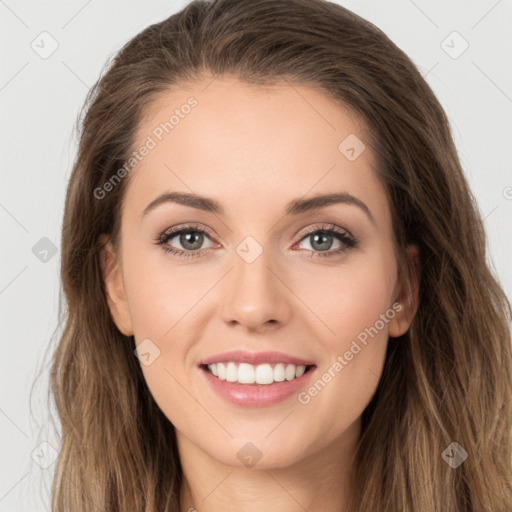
(255, 295)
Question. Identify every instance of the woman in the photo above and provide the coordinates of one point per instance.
(262, 366)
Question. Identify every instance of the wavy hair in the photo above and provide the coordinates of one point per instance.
(448, 379)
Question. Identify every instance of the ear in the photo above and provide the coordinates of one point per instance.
(114, 287)
(407, 296)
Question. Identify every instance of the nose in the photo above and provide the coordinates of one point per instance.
(256, 295)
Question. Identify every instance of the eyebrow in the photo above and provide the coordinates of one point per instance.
(294, 207)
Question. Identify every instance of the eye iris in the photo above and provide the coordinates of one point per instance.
(323, 237)
(191, 235)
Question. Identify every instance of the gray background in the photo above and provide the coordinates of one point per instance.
(39, 100)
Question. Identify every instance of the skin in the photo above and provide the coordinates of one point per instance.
(255, 149)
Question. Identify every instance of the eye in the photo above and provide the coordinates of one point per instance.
(190, 237)
(321, 240)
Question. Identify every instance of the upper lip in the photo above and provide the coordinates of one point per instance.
(244, 356)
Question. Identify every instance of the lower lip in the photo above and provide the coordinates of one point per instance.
(257, 395)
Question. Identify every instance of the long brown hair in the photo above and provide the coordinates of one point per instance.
(448, 379)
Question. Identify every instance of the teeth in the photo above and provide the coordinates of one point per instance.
(221, 369)
(245, 373)
(264, 374)
(231, 372)
(280, 372)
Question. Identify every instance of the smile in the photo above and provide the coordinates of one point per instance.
(264, 374)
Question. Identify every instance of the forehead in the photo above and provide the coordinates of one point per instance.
(257, 146)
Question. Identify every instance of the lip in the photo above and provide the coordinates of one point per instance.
(256, 395)
(255, 358)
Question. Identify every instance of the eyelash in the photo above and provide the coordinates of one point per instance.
(330, 229)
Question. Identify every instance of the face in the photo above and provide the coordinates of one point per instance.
(312, 284)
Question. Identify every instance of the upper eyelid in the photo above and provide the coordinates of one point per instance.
(326, 227)
(174, 231)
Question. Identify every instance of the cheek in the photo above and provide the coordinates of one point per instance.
(160, 294)
(341, 301)
(354, 303)
(164, 303)
(339, 305)
(333, 303)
